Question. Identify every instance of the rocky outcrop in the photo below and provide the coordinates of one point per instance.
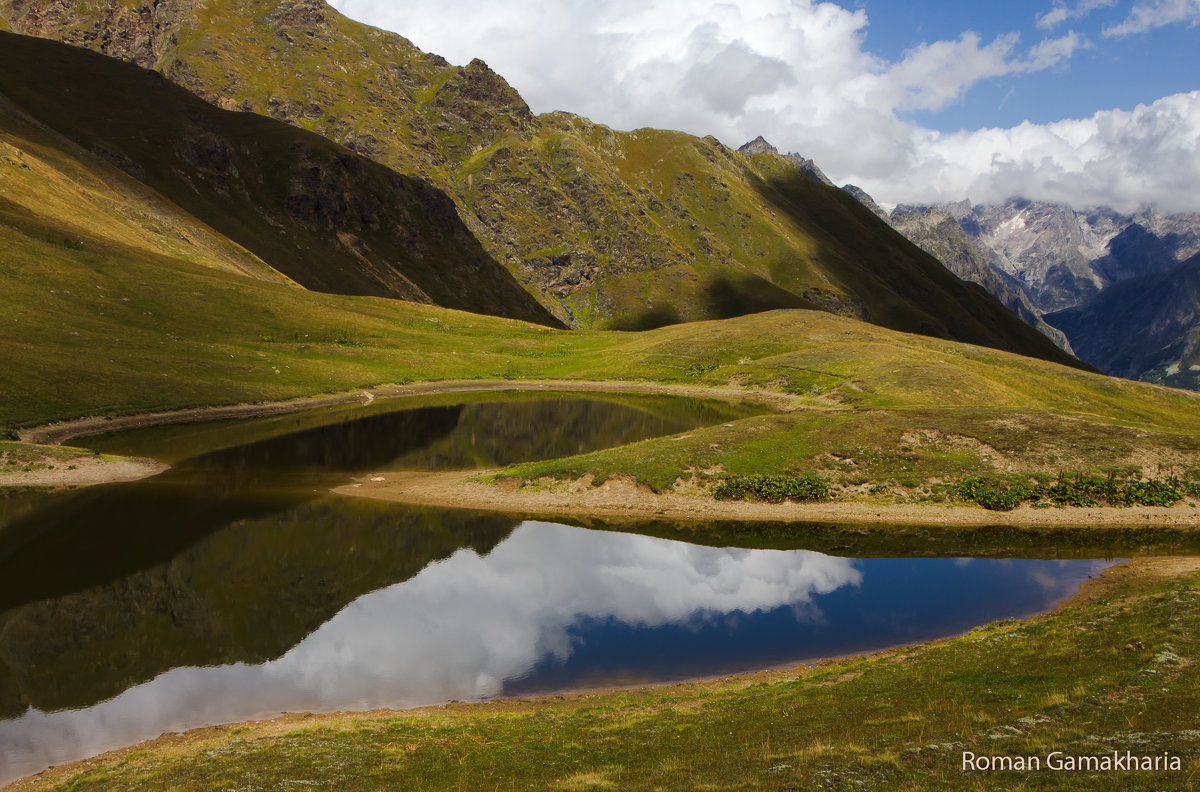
(809, 167)
(866, 200)
(760, 146)
(141, 33)
(478, 102)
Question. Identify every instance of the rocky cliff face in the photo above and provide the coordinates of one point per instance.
(936, 232)
(1113, 283)
(1066, 257)
(139, 33)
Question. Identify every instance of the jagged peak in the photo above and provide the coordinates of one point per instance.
(810, 168)
(758, 146)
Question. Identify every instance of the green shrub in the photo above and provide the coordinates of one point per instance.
(772, 488)
(700, 367)
(1153, 493)
(994, 494)
(1079, 490)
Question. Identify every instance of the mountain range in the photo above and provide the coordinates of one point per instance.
(309, 118)
(1116, 289)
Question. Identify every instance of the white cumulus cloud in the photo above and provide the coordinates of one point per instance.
(798, 73)
(1118, 158)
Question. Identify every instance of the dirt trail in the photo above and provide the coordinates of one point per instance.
(61, 432)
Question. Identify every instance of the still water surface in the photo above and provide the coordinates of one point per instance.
(233, 586)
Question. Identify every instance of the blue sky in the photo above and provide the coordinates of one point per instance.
(1113, 72)
(1088, 102)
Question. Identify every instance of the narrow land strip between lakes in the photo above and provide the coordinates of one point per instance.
(619, 496)
(62, 431)
(622, 496)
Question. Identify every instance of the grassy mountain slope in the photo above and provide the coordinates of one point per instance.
(96, 330)
(608, 229)
(328, 219)
(61, 195)
(1146, 327)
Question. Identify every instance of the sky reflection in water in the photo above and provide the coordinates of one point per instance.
(554, 606)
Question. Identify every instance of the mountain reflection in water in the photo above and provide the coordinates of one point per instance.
(549, 599)
(234, 585)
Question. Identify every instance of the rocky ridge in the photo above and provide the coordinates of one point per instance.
(1066, 257)
(1120, 286)
(760, 146)
(1146, 327)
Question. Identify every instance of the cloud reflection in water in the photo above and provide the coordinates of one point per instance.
(457, 630)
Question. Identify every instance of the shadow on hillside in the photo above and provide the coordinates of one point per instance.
(723, 297)
(726, 297)
(895, 283)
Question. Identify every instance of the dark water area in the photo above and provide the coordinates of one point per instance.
(262, 469)
(234, 586)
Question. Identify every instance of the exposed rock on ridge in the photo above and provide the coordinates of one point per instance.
(940, 235)
(760, 146)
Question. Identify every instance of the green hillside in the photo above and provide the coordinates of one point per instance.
(328, 219)
(608, 229)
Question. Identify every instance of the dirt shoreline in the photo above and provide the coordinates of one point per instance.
(621, 496)
(1100, 587)
(62, 431)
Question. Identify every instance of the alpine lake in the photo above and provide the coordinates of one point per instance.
(236, 586)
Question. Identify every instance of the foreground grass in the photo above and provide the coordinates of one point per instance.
(1114, 673)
